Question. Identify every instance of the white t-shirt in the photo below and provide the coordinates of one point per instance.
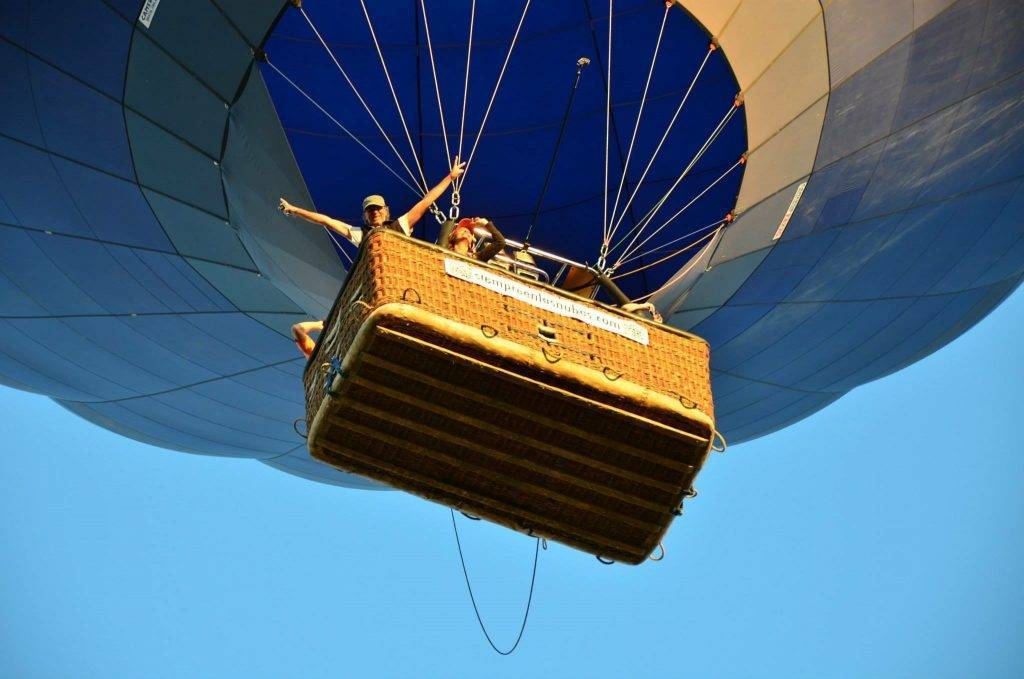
(357, 231)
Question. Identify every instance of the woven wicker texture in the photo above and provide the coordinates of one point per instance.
(434, 402)
(393, 268)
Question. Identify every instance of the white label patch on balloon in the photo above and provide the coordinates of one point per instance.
(148, 10)
(789, 213)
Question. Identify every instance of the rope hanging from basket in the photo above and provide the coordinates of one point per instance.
(472, 598)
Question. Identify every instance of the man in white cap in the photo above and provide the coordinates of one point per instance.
(376, 213)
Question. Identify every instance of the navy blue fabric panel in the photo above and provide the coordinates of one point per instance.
(113, 208)
(1009, 265)
(198, 35)
(198, 233)
(247, 338)
(718, 284)
(785, 416)
(116, 279)
(120, 336)
(129, 9)
(178, 102)
(156, 422)
(783, 269)
(101, 348)
(853, 247)
(768, 359)
(833, 336)
(994, 295)
(32, 192)
(175, 274)
(18, 115)
(942, 55)
(861, 110)
(280, 323)
(22, 368)
(953, 229)
(111, 416)
(833, 193)
(14, 301)
(47, 355)
(265, 394)
(728, 322)
(906, 166)
(172, 167)
(892, 350)
(209, 341)
(724, 384)
(247, 290)
(1003, 53)
(283, 381)
(742, 399)
(216, 415)
(985, 145)
(768, 330)
(253, 17)
(769, 402)
(891, 324)
(994, 243)
(83, 37)
(79, 122)
(912, 233)
(25, 264)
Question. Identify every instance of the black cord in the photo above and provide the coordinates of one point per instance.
(580, 65)
(529, 600)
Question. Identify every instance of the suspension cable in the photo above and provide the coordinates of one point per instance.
(494, 94)
(465, 84)
(649, 217)
(338, 244)
(640, 113)
(581, 63)
(359, 96)
(664, 246)
(394, 95)
(437, 86)
(682, 272)
(607, 127)
(479, 619)
(667, 257)
(629, 251)
(344, 129)
(657, 150)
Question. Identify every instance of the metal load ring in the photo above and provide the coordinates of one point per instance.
(717, 435)
(405, 298)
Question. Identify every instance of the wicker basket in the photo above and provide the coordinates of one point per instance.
(510, 400)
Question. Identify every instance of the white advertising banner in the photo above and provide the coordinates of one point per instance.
(545, 300)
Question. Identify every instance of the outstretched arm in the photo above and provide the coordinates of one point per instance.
(300, 333)
(419, 209)
(335, 225)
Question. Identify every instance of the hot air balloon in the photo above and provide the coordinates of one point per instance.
(839, 196)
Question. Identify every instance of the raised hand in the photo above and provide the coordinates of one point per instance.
(285, 207)
(457, 168)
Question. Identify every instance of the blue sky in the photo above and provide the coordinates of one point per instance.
(882, 537)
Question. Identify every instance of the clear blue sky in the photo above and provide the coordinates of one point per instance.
(881, 537)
